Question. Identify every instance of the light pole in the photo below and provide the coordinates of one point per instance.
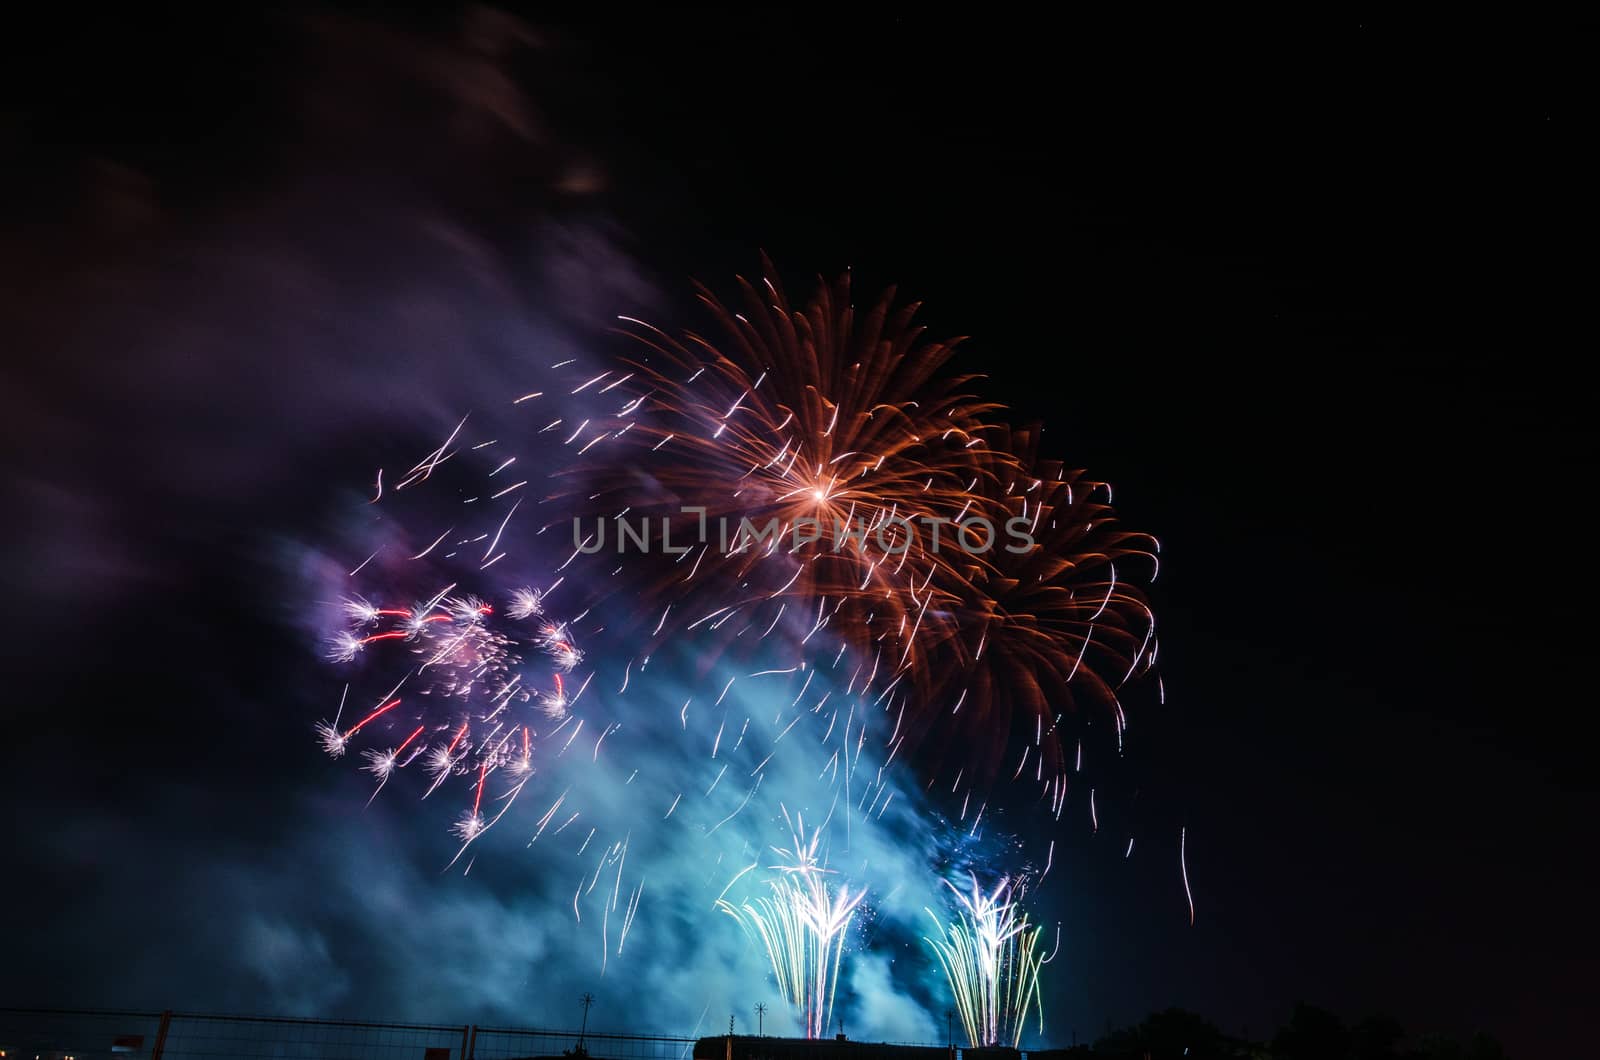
(761, 1018)
(586, 1000)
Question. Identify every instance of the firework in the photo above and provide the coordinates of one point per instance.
(799, 461)
(1035, 632)
(822, 464)
(802, 925)
(991, 957)
(796, 460)
(467, 685)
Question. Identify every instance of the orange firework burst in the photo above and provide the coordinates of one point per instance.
(1036, 632)
(823, 463)
(815, 441)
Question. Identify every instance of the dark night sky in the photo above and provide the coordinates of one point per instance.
(1302, 291)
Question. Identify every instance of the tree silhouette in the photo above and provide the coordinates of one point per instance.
(1376, 1038)
(1174, 1032)
(1311, 1034)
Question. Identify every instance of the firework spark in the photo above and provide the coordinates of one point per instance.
(807, 477)
(802, 925)
(793, 460)
(818, 463)
(1033, 633)
(467, 667)
(991, 957)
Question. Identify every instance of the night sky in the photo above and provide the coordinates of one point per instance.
(1302, 291)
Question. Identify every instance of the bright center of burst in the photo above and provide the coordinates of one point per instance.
(819, 494)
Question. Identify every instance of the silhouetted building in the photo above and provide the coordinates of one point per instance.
(751, 1047)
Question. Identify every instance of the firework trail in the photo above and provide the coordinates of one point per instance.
(992, 592)
(1034, 633)
(793, 458)
(802, 925)
(481, 690)
(474, 711)
(750, 453)
(479, 683)
(991, 957)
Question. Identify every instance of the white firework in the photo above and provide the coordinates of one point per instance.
(379, 763)
(467, 608)
(342, 647)
(557, 643)
(469, 827)
(553, 704)
(332, 740)
(358, 610)
(525, 603)
(441, 761)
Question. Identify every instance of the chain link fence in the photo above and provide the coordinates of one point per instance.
(110, 1034)
(88, 1034)
(511, 1043)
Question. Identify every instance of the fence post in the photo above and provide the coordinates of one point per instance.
(161, 1035)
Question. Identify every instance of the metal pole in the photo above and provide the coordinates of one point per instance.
(161, 1035)
(587, 1000)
